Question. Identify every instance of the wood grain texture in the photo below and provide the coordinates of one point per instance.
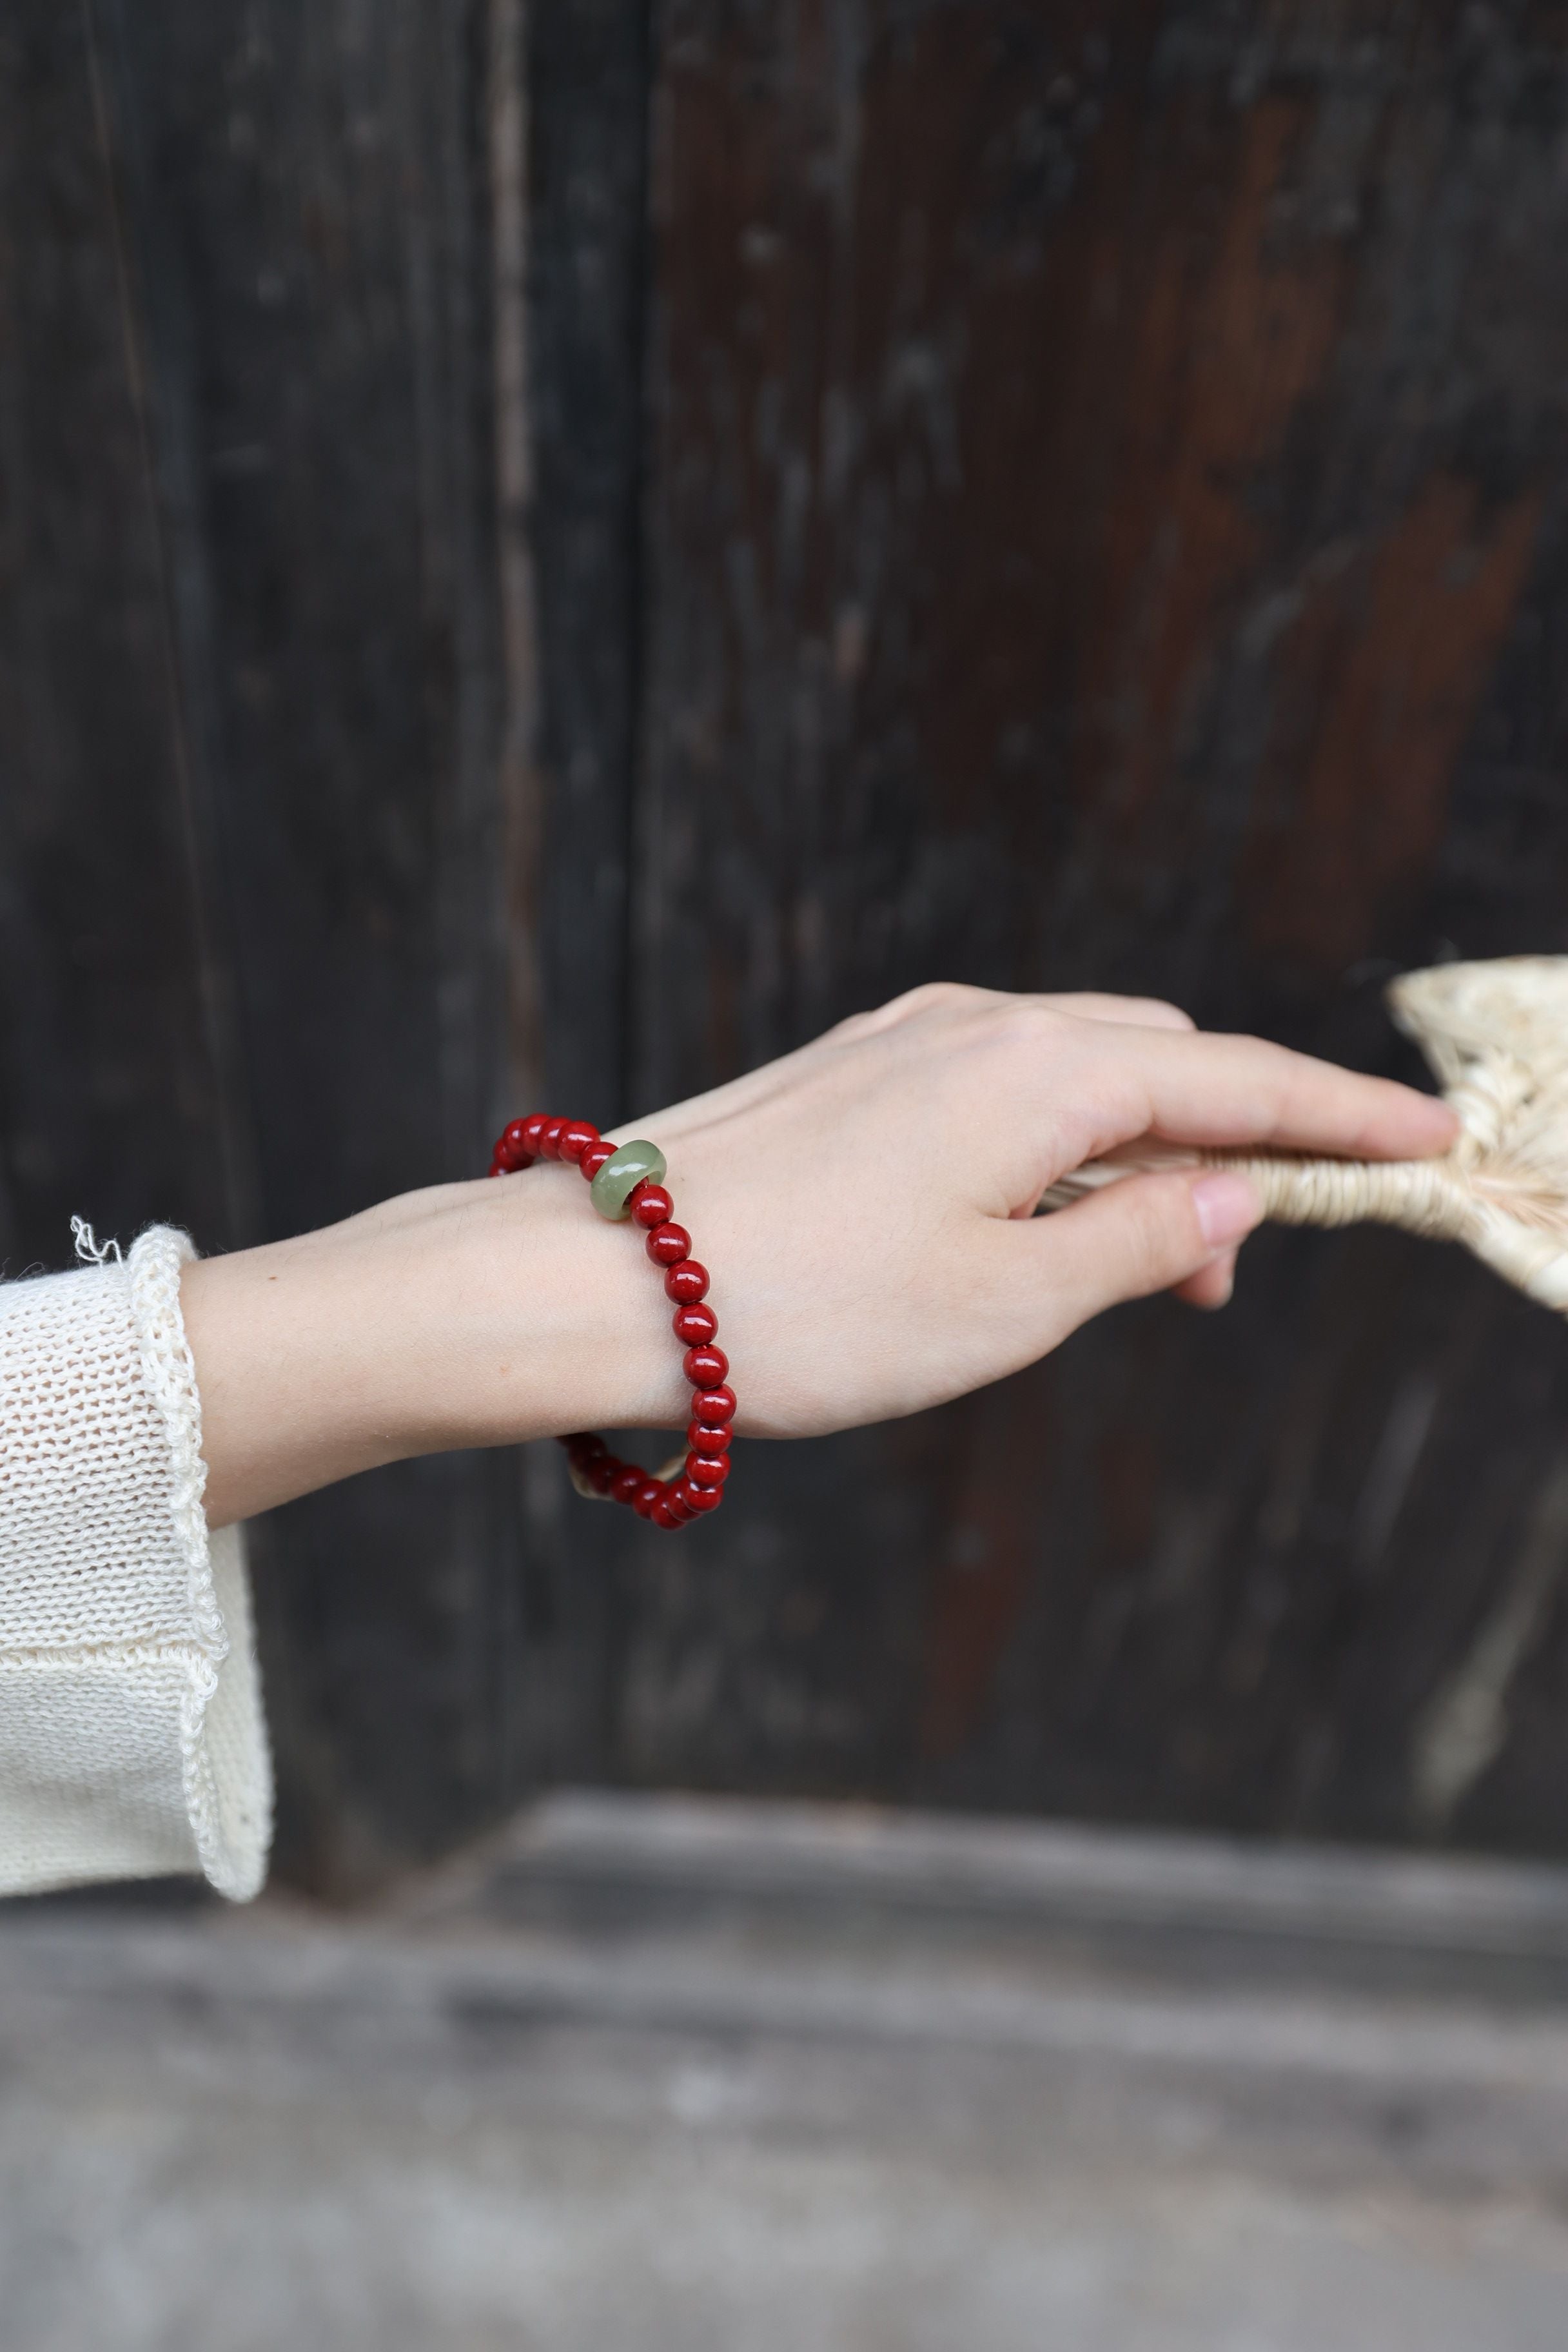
(588, 67)
(284, 754)
(1069, 497)
(109, 1081)
(1107, 529)
(308, 198)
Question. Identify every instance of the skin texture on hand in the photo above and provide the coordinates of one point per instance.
(864, 1206)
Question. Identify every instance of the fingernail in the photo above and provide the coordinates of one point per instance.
(1228, 1207)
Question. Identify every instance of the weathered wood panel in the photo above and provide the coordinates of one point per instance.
(109, 994)
(277, 789)
(1107, 529)
(308, 199)
(587, 102)
(1102, 521)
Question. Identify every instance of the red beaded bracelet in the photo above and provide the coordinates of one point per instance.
(624, 1183)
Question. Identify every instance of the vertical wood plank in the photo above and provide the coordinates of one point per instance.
(588, 65)
(312, 211)
(110, 1100)
(1107, 529)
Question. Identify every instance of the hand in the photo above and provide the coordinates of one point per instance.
(865, 1207)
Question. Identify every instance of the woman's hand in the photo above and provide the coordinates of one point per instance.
(864, 1207)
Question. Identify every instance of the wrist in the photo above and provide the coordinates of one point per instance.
(532, 1318)
(470, 1315)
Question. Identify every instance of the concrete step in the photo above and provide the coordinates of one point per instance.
(665, 2074)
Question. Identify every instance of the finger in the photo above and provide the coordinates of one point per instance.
(1220, 1092)
(1147, 1233)
(1212, 1284)
(1133, 1012)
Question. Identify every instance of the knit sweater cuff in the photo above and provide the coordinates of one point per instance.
(131, 1738)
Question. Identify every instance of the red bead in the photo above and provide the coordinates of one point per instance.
(700, 1487)
(650, 1204)
(511, 1150)
(714, 1405)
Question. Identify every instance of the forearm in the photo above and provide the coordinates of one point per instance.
(470, 1315)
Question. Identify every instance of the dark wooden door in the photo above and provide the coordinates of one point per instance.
(1105, 530)
(567, 549)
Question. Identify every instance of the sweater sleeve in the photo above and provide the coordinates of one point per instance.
(132, 1738)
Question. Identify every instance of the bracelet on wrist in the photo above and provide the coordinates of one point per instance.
(626, 1184)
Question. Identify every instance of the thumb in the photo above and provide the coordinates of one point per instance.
(1143, 1235)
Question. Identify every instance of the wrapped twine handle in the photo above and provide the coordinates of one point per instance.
(1496, 1035)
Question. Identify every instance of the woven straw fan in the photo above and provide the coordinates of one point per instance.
(1496, 1035)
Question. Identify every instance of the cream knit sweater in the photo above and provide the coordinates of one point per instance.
(131, 1740)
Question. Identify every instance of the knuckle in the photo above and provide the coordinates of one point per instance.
(930, 996)
(944, 996)
(1171, 1016)
(1025, 1023)
(1140, 1012)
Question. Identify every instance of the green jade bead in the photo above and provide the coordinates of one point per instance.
(633, 1164)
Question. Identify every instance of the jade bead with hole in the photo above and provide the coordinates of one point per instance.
(629, 1165)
